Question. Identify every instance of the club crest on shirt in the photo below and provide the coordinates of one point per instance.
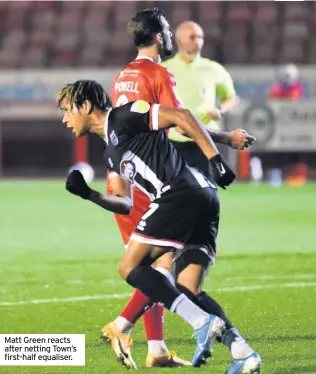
(113, 138)
(128, 170)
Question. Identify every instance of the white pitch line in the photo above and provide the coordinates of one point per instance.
(265, 287)
(124, 295)
(66, 299)
(106, 281)
(273, 277)
(119, 281)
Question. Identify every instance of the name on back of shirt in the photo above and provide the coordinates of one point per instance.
(126, 87)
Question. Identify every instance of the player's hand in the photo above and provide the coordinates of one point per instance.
(223, 174)
(76, 184)
(214, 114)
(240, 139)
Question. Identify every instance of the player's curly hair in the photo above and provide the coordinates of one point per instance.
(144, 26)
(78, 92)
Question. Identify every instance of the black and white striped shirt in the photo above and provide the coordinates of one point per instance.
(143, 155)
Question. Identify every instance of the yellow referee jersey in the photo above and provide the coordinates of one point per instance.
(199, 84)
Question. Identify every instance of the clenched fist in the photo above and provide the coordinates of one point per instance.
(240, 139)
(76, 184)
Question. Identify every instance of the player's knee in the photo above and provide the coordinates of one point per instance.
(195, 289)
(165, 262)
(124, 269)
(191, 286)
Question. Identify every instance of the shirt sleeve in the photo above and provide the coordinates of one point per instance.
(224, 85)
(165, 87)
(137, 117)
(109, 165)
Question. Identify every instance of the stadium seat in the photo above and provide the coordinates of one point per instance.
(241, 13)
(68, 6)
(292, 50)
(91, 56)
(235, 42)
(43, 19)
(9, 58)
(264, 53)
(122, 13)
(15, 18)
(72, 23)
(296, 10)
(209, 11)
(297, 30)
(64, 58)
(40, 38)
(58, 28)
(311, 53)
(34, 57)
(265, 12)
(14, 38)
(180, 12)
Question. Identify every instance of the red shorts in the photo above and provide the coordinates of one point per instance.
(128, 223)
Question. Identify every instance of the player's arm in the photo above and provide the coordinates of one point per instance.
(162, 118)
(182, 118)
(237, 139)
(230, 102)
(225, 91)
(119, 202)
(141, 117)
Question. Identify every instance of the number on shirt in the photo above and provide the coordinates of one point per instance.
(122, 100)
(152, 208)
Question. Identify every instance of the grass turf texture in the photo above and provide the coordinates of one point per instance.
(56, 246)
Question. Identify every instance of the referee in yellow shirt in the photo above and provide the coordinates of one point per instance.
(201, 83)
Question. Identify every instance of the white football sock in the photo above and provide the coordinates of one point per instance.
(240, 349)
(157, 347)
(123, 325)
(167, 274)
(190, 312)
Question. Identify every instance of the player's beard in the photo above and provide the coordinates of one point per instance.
(166, 50)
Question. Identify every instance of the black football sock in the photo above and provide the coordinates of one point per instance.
(153, 284)
(205, 302)
(211, 306)
(231, 334)
(157, 287)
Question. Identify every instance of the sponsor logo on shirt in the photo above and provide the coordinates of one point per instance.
(113, 138)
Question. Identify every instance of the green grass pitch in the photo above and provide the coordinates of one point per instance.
(57, 249)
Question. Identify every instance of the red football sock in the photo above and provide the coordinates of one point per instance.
(136, 307)
(153, 323)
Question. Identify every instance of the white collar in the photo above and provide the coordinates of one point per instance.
(106, 127)
(144, 58)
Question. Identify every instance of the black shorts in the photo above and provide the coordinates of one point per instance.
(179, 219)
